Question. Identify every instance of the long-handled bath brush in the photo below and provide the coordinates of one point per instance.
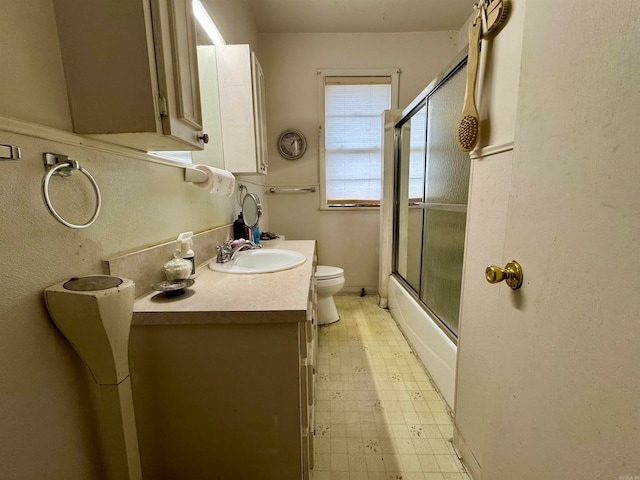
(469, 126)
(494, 16)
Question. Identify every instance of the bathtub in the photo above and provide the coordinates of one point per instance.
(434, 349)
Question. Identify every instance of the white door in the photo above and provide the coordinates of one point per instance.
(557, 390)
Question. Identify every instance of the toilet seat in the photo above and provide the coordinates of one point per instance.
(324, 272)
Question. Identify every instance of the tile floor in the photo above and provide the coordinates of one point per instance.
(377, 415)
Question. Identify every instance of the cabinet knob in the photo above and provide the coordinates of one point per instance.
(511, 274)
(204, 137)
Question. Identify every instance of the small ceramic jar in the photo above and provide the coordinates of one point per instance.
(177, 269)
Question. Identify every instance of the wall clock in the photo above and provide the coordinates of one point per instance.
(292, 144)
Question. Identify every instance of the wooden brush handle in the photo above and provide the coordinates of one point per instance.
(469, 126)
(473, 60)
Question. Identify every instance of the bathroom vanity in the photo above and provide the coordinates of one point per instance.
(223, 376)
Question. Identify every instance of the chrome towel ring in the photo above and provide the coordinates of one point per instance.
(66, 168)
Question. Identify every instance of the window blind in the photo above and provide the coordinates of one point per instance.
(353, 138)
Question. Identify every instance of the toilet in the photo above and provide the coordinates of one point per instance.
(329, 281)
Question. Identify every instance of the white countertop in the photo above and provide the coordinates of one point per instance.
(235, 298)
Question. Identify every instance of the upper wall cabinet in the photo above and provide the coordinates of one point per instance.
(212, 154)
(132, 71)
(242, 109)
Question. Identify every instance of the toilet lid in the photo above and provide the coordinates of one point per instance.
(324, 272)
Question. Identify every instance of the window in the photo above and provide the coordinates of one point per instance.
(351, 140)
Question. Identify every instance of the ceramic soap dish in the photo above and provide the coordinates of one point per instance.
(173, 288)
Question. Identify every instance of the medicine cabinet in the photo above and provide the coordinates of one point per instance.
(212, 154)
(242, 109)
(132, 72)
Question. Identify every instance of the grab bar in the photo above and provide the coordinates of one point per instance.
(292, 189)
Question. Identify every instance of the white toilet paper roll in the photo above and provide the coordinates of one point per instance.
(219, 182)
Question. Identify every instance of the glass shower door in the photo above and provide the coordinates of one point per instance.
(431, 219)
(411, 194)
(446, 205)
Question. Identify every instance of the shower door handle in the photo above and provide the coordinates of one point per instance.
(511, 274)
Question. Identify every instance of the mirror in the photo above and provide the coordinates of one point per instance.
(251, 210)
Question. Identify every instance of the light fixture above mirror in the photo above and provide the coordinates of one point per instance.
(207, 24)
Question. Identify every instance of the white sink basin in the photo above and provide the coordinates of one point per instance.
(260, 261)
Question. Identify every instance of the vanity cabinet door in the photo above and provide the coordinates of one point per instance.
(307, 455)
(311, 448)
(312, 362)
(304, 396)
(131, 72)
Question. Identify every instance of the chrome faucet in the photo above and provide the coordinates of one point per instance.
(226, 252)
(247, 245)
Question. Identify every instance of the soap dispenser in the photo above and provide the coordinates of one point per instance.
(185, 241)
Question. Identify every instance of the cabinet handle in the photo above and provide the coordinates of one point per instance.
(204, 137)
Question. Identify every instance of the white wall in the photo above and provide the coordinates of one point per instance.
(290, 62)
(547, 375)
(46, 409)
(234, 19)
(33, 88)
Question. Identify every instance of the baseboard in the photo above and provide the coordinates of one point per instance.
(358, 291)
(466, 456)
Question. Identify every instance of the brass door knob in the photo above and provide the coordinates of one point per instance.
(511, 274)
